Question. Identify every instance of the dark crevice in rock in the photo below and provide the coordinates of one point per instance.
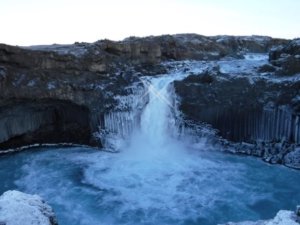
(25, 122)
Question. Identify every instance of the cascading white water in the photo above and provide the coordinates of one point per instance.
(157, 123)
(155, 120)
(145, 118)
(154, 143)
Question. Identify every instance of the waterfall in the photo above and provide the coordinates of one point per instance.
(157, 134)
(149, 114)
(157, 119)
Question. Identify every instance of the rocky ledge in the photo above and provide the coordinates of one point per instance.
(17, 208)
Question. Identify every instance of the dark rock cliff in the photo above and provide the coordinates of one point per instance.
(60, 93)
(250, 101)
(242, 111)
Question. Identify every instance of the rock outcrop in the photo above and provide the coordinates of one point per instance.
(292, 159)
(287, 58)
(17, 208)
(51, 96)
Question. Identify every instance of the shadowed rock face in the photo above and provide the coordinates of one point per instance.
(26, 122)
(242, 111)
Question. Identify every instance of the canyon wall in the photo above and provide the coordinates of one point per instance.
(62, 93)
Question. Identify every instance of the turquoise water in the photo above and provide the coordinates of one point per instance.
(90, 187)
(155, 179)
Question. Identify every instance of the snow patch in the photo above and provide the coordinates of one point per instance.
(51, 85)
(296, 42)
(31, 83)
(17, 208)
(2, 72)
(280, 79)
(46, 145)
(19, 80)
(248, 65)
(76, 50)
(256, 56)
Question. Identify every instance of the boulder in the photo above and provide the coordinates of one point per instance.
(17, 208)
(292, 159)
(267, 68)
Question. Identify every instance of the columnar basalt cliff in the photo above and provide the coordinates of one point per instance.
(241, 110)
(24, 122)
(61, 93)
(250, 102)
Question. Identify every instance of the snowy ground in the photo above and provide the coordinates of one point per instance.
(17, 208)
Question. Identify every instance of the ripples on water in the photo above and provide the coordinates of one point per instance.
(87, 187)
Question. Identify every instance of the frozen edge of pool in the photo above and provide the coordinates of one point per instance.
(48, 145)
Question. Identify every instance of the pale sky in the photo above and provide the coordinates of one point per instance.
(34, 22)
